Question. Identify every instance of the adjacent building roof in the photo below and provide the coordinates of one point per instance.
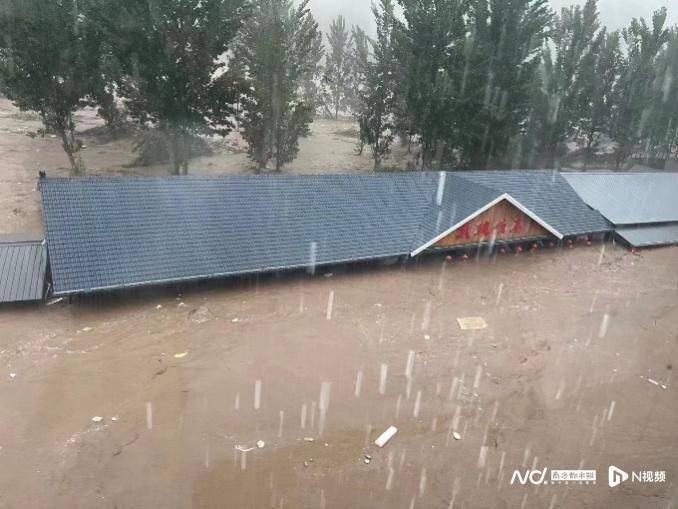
(23, 263)
(108, 233)
(649, 235)
(629, 198)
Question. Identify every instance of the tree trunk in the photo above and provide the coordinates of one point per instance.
(72, 148)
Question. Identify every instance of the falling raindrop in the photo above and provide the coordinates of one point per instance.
(303, 416)
(410, 364)
(398, 403)
(236, 405)
(602, 332)
(312, 257)
(257, 394)
(280, 426)
(383, 373)
(422, 482)
(149, 415)
(417, 404)
(612, 405)
(426, 318)
(482, 456)
(479, 372)
(330, 305)
(358, 383)
(324, 404)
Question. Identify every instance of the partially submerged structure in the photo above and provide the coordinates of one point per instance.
(112, 233)
(23, 265)
(643, 207)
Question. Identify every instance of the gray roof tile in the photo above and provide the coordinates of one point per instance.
(116, 232)
(22, 270)
(629, 198)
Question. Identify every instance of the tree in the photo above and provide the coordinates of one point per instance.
(633, 90)
(596, 104)
(429, 53)
(661, 131)
(169, 51)
(337, 66)
(377, 100)
(501, 59)
(44, 65)
(568, 74)
(358, 62)
(279, 47)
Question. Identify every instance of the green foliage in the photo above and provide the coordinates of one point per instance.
(337, 66)
(377, 100)
(568, 71)
(169, 54)
(45, 64)
(278, 49)
(634, 89)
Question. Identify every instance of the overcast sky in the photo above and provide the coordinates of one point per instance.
(614, 13)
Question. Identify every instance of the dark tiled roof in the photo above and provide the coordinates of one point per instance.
(22, 269)
(115, 232)
(455, 199)
(548, 195)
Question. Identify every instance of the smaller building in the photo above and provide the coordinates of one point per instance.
(643, 207)
(23, 264)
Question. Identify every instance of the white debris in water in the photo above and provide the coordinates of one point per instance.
(257, 394)
(456, 436)
(383, 374)
(159, 306)
(235, 320)
(12, 375)
(387, 435)
(261, 444)
(97, 418)
(87, 329)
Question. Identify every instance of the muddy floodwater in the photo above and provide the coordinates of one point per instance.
(158, 399)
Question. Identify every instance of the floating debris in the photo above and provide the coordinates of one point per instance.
(54, 301)
(243, 449)
(12, 375)
(261, 444)
(159, 306)
(456, 436)
(309, 439)
(97, 418)
(386, 436)
(180, 355)
(472, 323)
